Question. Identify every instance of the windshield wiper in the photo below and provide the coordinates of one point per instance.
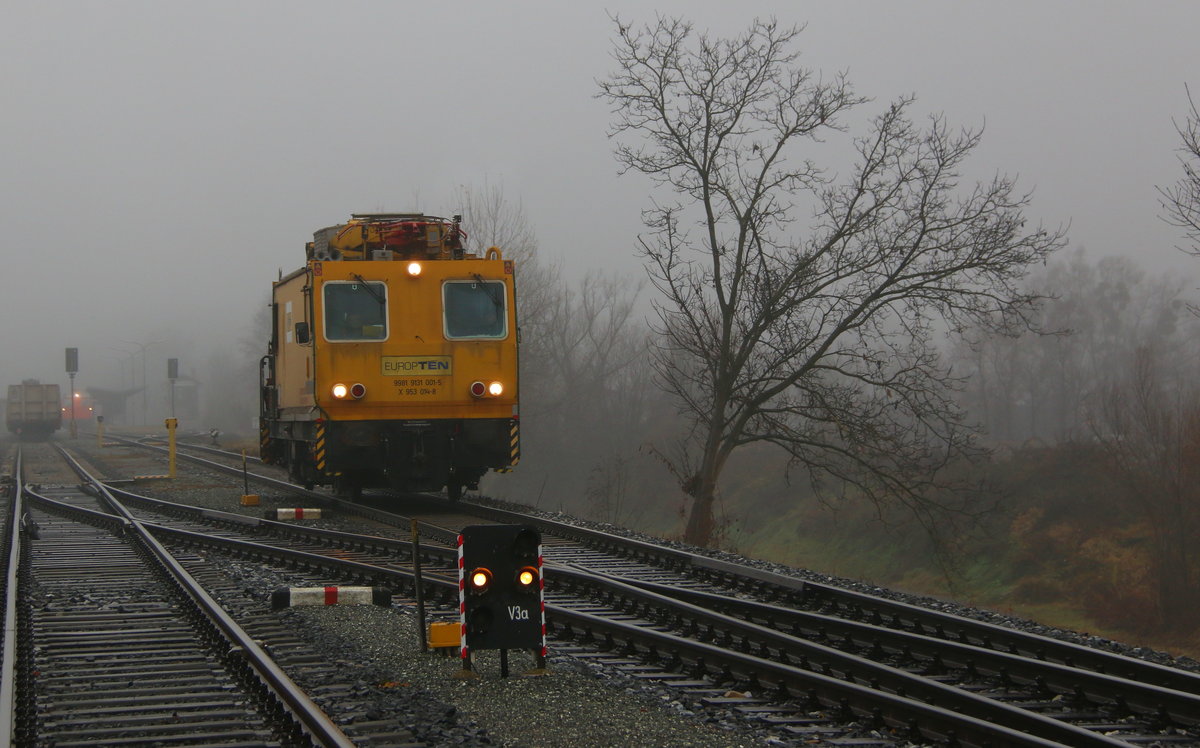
(490, 290)
(367, 286)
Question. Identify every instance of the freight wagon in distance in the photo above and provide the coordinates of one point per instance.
(33, 410)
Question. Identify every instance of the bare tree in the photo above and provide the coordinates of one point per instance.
(1149, 426)
(1181, 202)
(1093, 318)
(591, 337)
(590, 408)
(579, 341)
(818, 341)
(492, 220)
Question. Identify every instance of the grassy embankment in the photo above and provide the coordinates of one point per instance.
(1066, 547)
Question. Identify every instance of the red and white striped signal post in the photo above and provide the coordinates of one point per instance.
(501, 592)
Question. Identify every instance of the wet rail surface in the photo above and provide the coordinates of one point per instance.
(710, 627)
(113, 658)
(119, 644)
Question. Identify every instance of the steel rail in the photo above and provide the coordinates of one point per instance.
(853, 668)
(344, 507)
(795, 591)
(1146, 698)
(1176, 696)
(202, 448)
(928, 721)
(403, 548)
(1149, 699)
(8, 668)
(310, 718)
(976, 711)
(868, 701)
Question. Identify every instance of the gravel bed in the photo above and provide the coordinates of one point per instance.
(577, 704)
(40, 464)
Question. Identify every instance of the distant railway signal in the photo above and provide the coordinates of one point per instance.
(501, 590)
(72, 370)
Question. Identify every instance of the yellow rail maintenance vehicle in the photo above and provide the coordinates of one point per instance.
(392, 360)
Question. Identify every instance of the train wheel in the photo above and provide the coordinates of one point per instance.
(347, 488)
(295, 472)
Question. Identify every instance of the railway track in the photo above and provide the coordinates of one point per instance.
(116, 641)
(811, 655)
(10, 555)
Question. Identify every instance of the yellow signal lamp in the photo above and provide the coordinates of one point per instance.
(414, 269)
(340, 391)
(527, 578)
(480, 580)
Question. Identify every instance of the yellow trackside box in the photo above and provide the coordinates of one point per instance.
(444, 634)
(393, 360)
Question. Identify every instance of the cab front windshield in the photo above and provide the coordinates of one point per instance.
(355, 311)
(475, 309)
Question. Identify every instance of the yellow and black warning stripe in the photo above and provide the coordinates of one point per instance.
(319, 448)
(514, 448)
(264, 444)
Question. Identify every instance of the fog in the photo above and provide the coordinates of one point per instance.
(164, 161)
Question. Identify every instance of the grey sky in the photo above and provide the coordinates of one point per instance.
(162, 161)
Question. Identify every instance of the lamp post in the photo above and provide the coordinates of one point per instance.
(142, 352)
(125, 356)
